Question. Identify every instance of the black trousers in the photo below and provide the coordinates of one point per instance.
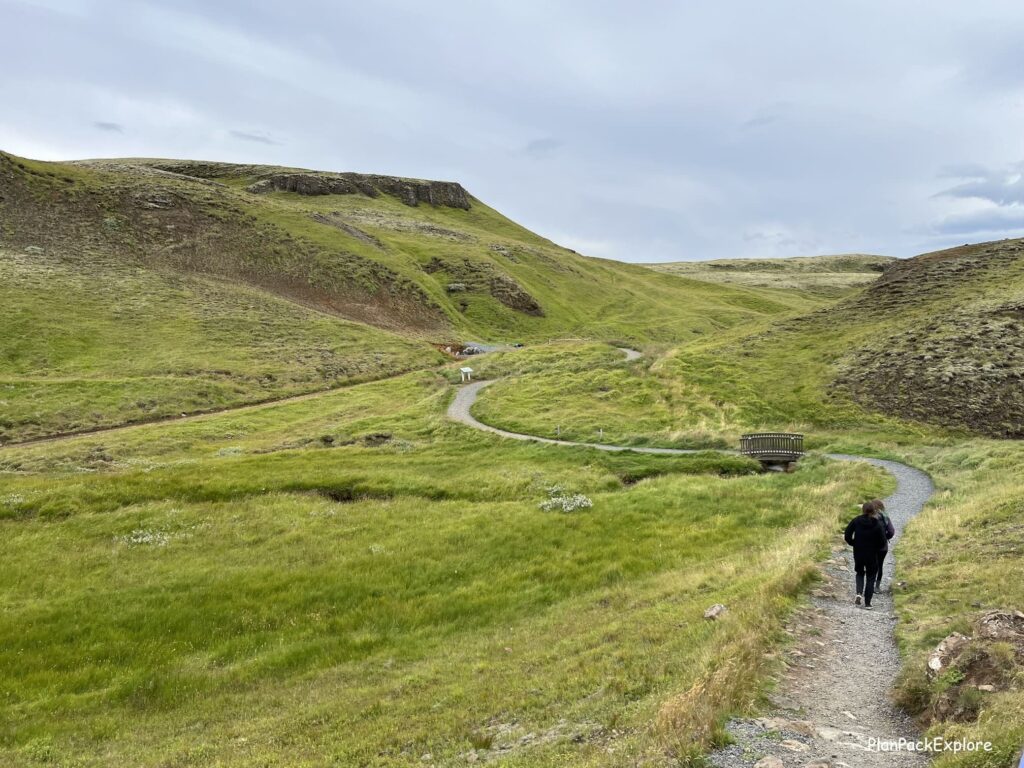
(866, 566)
(881, 562)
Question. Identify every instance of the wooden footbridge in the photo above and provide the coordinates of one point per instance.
(775, 450)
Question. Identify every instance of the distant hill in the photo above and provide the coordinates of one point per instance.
(938, 338)
(137, 288)
(828, 276)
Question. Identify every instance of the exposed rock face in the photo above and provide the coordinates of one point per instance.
(446, 194)
(313, 184)
(472, 276)
(412, 192)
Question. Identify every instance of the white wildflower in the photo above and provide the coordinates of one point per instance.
(566, 503)
(141, 537)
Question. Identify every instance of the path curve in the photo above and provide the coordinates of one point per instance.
(834, 696)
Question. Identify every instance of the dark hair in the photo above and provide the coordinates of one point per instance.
(868, 508)
(878, 504)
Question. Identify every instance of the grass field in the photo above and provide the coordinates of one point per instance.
(145, 344)
(814, 276)
(369, 583)
(963, 556)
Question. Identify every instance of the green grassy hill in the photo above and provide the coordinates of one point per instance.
(935, 340)
(420, 257)
(935, 343)
(140, 289)
(824, 276)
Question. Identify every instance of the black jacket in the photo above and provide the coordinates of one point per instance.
(866, 534)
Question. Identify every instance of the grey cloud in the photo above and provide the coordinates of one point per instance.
(110, 127)
(256, 138)
(675, 130)
(983, 223)
(1004, 187)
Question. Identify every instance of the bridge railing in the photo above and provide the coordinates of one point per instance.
(783, 446)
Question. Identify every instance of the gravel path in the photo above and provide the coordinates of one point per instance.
(834, 695)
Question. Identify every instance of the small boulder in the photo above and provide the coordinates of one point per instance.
(715, 612)
(945, 652)
(769, 761)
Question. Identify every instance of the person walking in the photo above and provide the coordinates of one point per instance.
(890, 531)
(866, 534)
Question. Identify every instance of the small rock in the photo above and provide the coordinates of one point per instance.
(819, 764)
(769, 761)
(794, 746)
(803, 727)
(945, 651)
(715, 612)
(987, 688)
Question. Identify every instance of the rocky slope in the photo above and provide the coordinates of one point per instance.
(948, 346)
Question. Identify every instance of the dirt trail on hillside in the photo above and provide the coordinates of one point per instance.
(834, 696)
(194, 415)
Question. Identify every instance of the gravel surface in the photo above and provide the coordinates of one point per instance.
(843, 663)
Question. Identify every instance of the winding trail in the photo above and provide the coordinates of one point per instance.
(834, 696)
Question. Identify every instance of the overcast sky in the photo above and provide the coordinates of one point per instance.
(641, 131)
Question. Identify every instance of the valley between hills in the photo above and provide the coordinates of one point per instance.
(239, 527)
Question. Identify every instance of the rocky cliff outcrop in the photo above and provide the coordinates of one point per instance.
(412, 192)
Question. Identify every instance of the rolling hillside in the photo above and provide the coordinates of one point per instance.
(421, 257)
(937, 339)
(825, 276)
(141, 289)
